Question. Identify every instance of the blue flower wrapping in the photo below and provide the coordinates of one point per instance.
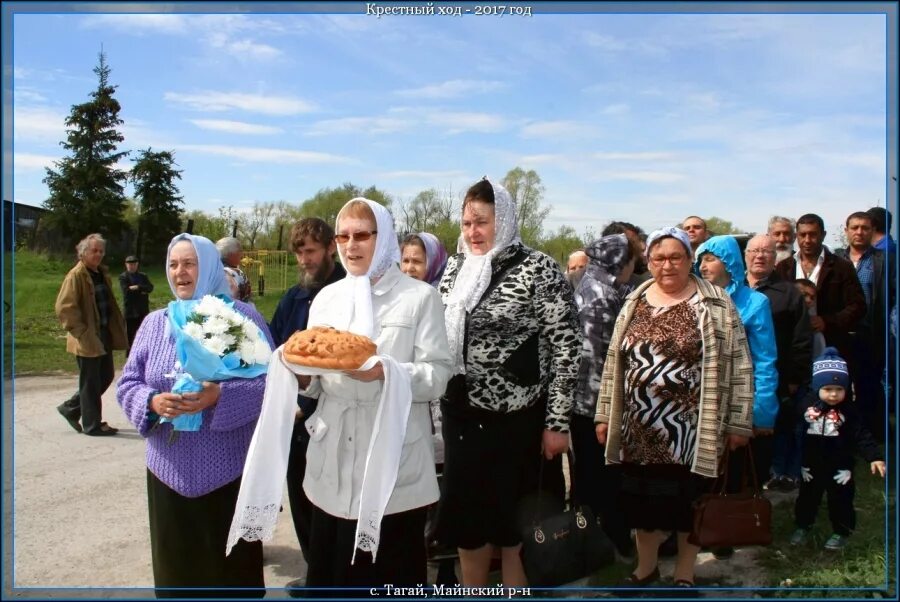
(199, 364)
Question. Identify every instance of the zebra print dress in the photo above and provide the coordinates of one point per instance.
(663, 351)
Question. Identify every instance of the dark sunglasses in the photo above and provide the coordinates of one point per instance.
(356, 236)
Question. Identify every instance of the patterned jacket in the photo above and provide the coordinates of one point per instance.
(522, 339)
(726, 389)
(598, 298)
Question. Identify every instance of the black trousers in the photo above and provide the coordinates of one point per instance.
(867, 385)
(301, 507)
(132, 324)
(840, 501)
(95, 374)
(400, 559)
(597, 484)
(187, 542)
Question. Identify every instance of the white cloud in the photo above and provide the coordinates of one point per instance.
(457, 123)
(31, 162)
(543, 159)
(243, 49)
(616, 109)
(424, 175)
(27, 95)
(604, 42)
(38, 124)
(139, 24)
(234, 127)
(555, 129)
(456, 88)
(358, 125)
(638, 156)
(266, 104)
(652, 177)
(264, 155)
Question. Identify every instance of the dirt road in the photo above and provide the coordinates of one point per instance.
(79, 509)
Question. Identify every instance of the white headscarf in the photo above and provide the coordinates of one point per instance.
(358, 310)
(475, 274)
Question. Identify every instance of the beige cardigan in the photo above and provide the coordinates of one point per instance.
(726, 383)
(77, 312)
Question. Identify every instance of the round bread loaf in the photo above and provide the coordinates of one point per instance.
(326, 347)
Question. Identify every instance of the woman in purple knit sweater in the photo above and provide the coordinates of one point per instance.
(193, 477)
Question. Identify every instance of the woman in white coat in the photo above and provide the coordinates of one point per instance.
(404, 317)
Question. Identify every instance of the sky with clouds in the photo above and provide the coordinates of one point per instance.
(641, 117)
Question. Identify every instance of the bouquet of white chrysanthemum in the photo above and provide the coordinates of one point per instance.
(225, 332)
(213, 342)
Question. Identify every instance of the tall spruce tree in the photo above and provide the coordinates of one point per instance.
(86, 190)
(161, 207)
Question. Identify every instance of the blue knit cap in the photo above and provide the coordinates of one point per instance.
(830, 369)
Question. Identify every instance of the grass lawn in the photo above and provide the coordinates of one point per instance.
(860, 565)
(40, 341)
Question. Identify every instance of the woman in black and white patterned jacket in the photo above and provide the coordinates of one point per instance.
(515, 340)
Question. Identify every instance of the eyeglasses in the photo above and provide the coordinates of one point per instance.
(356, 236)
(760, 252)
(660, 260)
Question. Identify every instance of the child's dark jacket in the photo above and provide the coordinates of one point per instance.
(833, 434)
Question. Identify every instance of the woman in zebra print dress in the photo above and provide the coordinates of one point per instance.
(677, 387)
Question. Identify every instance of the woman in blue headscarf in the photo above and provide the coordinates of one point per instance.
(193, 476)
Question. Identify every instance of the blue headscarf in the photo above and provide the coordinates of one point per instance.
(211, 279)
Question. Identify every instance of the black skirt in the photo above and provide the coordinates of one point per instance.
(187, 541)
(660, 496)
(399, 561)
(491, 466)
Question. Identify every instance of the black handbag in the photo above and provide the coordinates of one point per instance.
(564, 546)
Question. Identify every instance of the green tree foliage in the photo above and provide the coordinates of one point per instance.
(86, 190)
(429, 209)
(161, 207)
(560, 244)
(256, 223)
(526, 188)
(328, 202)
(213, 226)
(716, 226)
(432, 211)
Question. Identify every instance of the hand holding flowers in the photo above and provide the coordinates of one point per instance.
(213, 342)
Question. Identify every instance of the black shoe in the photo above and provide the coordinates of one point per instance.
(101, 432)
(72, 420)
(295, 588)
(633, 581)
(685, 589)
(722, 553)
(109, 429)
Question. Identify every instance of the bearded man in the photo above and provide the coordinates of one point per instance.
(312, 241)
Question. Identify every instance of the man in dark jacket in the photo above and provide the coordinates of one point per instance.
(793, 340)
(840, 302)
(869, 335)
(136, 289)
(312, 241)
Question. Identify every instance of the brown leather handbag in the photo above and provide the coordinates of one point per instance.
(733, 519)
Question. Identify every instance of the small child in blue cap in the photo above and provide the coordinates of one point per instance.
(832, 433)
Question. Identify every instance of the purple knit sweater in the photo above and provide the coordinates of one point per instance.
(195, 463)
